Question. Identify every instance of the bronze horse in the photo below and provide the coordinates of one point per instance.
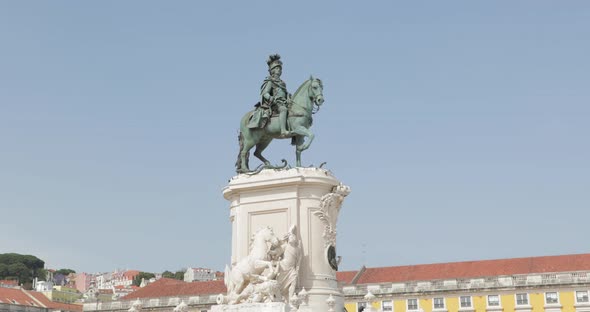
(299, 121)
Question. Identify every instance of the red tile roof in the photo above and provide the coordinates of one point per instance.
(9, 282)
(16, 296)
(22, 297)
(130, 274)
(55, 305)
(473, 269)
(167, 287)
(345, 276)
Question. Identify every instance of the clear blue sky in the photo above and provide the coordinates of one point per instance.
(461, 126)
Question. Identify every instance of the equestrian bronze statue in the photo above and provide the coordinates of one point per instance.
(279, 115)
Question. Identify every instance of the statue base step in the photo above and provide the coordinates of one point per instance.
(253, 307)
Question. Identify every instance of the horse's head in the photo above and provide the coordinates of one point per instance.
(267, 236)
(316, 89)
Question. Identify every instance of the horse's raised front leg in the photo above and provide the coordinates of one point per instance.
(305, 132)
(300, 143)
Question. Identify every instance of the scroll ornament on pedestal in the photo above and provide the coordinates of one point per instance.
(328, 213)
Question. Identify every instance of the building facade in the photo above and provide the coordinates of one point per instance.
(164, 295)
(199, 274)
(536, 284)
(113, 279)
(83, 281)
(63, 294)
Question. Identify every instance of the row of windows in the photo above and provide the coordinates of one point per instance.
(493, 301)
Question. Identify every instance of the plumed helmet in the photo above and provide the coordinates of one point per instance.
(273, 61)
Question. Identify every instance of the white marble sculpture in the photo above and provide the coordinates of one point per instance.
(289, 263)
(259, 259)
(369, 298)
(331, 302)
(181, 307)
(262, 289)
(136, 306)
(269, 273)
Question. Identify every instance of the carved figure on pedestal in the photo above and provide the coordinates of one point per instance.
(262, 288)
(238, 277)
(289, 264)
(259, 127)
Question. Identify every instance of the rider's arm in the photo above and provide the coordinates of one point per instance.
(267, 88)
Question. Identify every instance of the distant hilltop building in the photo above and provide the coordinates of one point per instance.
(42, 286)
(199, 274)
(9, 283)
(83, 281)
(534, 284)
(117, 278)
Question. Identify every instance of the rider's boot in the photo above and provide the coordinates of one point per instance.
(283, 122)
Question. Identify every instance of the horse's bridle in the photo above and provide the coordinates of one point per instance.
(316, 107)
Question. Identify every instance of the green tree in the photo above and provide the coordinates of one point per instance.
(65, 272)
(3, 270)
(9, 258)
(167, 274)
(21, 267)
(20, 271)
(142, 275)
(179, 275)
(28, 260)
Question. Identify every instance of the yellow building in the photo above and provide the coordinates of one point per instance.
(537, 284)
(63, 294)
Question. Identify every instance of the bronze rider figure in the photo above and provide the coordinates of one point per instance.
(273, 92)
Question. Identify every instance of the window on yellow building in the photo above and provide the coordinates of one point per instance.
(551, 297)
(522, 299)
(493, 301)
(438, 303)
(360, 307)
(582, 296)
(465, 301)
(387, 306)
(412, 304)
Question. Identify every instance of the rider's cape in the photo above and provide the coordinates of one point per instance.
(277, 83)
(259, 118)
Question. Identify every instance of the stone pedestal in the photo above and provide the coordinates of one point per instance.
(309, 198)
(252, 307)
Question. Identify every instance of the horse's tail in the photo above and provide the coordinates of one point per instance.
(239, 161)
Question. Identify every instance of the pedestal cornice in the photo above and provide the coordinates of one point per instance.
(278, 178)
